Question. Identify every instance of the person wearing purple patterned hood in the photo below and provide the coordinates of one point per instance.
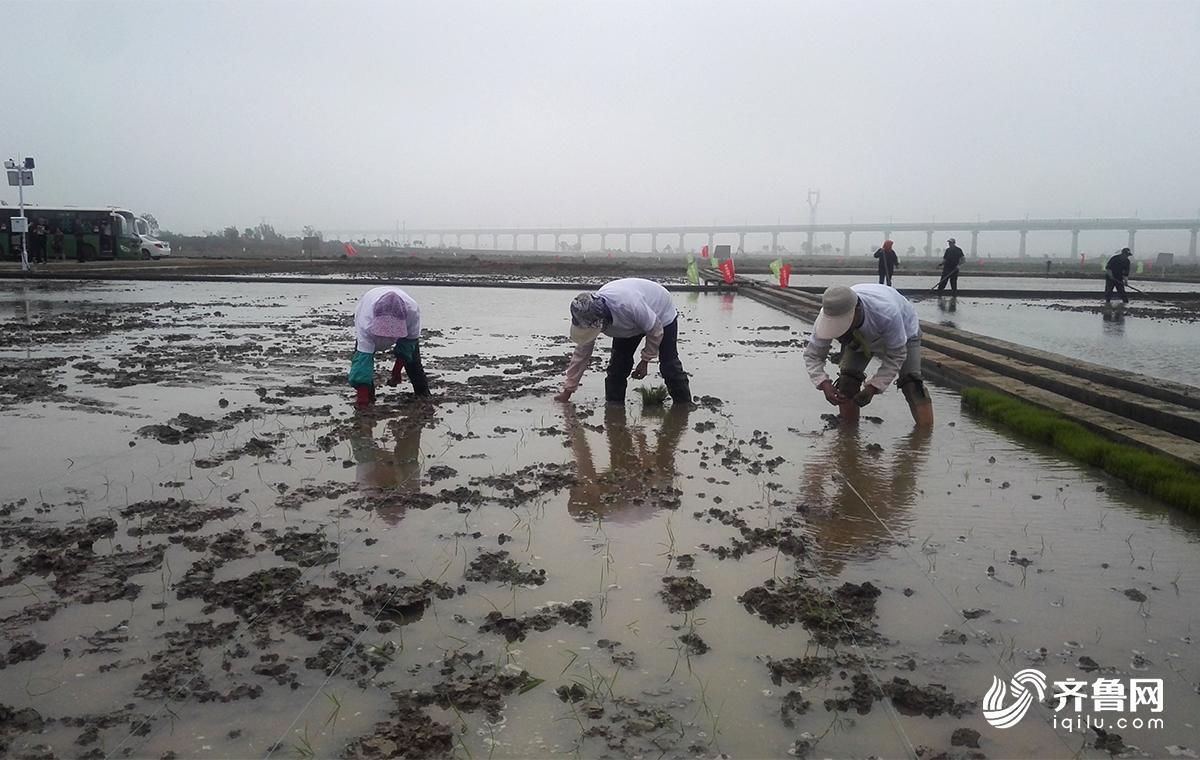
(384, 317)
(628, 310)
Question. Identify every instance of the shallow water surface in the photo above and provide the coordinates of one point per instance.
(326, 583)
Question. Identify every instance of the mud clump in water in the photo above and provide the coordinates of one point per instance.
(783, 538)
(305, 549)
(965, 737)
(171, 516)
(87, 577)
(683, 593)
(496, 567)
(183, 428)
(695, 645)
(481, 687)
(930, 701)
(578, 612)
(841, 616)
(804, 671)
(22, 651)
(529, 483)
(794, 703)
(405, 604)
(14, 723)
(408, 732)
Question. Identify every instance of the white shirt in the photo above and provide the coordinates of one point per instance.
(364, 316)
(889, 323)
(638, 307)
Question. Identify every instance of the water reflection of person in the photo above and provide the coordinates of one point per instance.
(379, 469)
(885, 478)
(637, 475)
(948, 305)
(1114, 321)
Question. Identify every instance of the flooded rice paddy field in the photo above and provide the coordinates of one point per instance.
(1153, 338)
(968, 282)
(205, 553)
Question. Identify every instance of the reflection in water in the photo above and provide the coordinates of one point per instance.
(399, 469)
(639, 480)
(1114, 321)
(948, 304)
(885, 477)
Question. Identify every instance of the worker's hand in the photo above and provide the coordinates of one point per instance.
(832, 394)
(863, 397)
(564, 396)
(640, 370)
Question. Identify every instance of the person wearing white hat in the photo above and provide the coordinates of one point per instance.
(384, 317)
(628, 310)
(869, 321)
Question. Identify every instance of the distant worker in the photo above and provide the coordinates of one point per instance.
(1116, 273)
(56, 242)
(952, 261)
(628, 310)
(1047, 266)
(81, 230)
(888, 260)
(38, 239)
(386, 316)
(868, 320)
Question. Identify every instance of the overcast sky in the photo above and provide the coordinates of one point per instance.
(359, 115)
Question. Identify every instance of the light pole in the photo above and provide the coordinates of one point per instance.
(21, 176)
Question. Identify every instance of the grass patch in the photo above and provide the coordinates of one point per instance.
(1148, 472)
(653, 396)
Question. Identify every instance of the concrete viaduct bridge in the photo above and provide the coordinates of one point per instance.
(477, 235)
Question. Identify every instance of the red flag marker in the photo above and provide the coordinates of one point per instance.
(350, 250)
(727, 272)
(785, 274)
(704, 252)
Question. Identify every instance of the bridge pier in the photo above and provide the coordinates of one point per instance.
(846, 243)
(774, 242)
(653, 242)
(974, 244)
(1021, 252)
(1192, 244)
(557, 245)
(1074, 244)
(741, 242)
(928, 242)
(627, 249)
(535, 241)
(579, 240)
(809, 243)
(681, 242)
(1132, 233)
(711, 247)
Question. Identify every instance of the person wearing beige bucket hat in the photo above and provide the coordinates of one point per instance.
(629, 310)
(868, 320)
(386, 317)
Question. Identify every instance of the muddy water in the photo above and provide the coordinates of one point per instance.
(328, 584)
(967, 281)
(1158, 340)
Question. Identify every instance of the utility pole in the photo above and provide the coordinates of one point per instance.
(21, 175)
(814, 200)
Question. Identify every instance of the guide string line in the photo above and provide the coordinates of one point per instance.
(980, 635)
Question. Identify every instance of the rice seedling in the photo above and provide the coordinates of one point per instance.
(1154, 474)
(653, 396)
